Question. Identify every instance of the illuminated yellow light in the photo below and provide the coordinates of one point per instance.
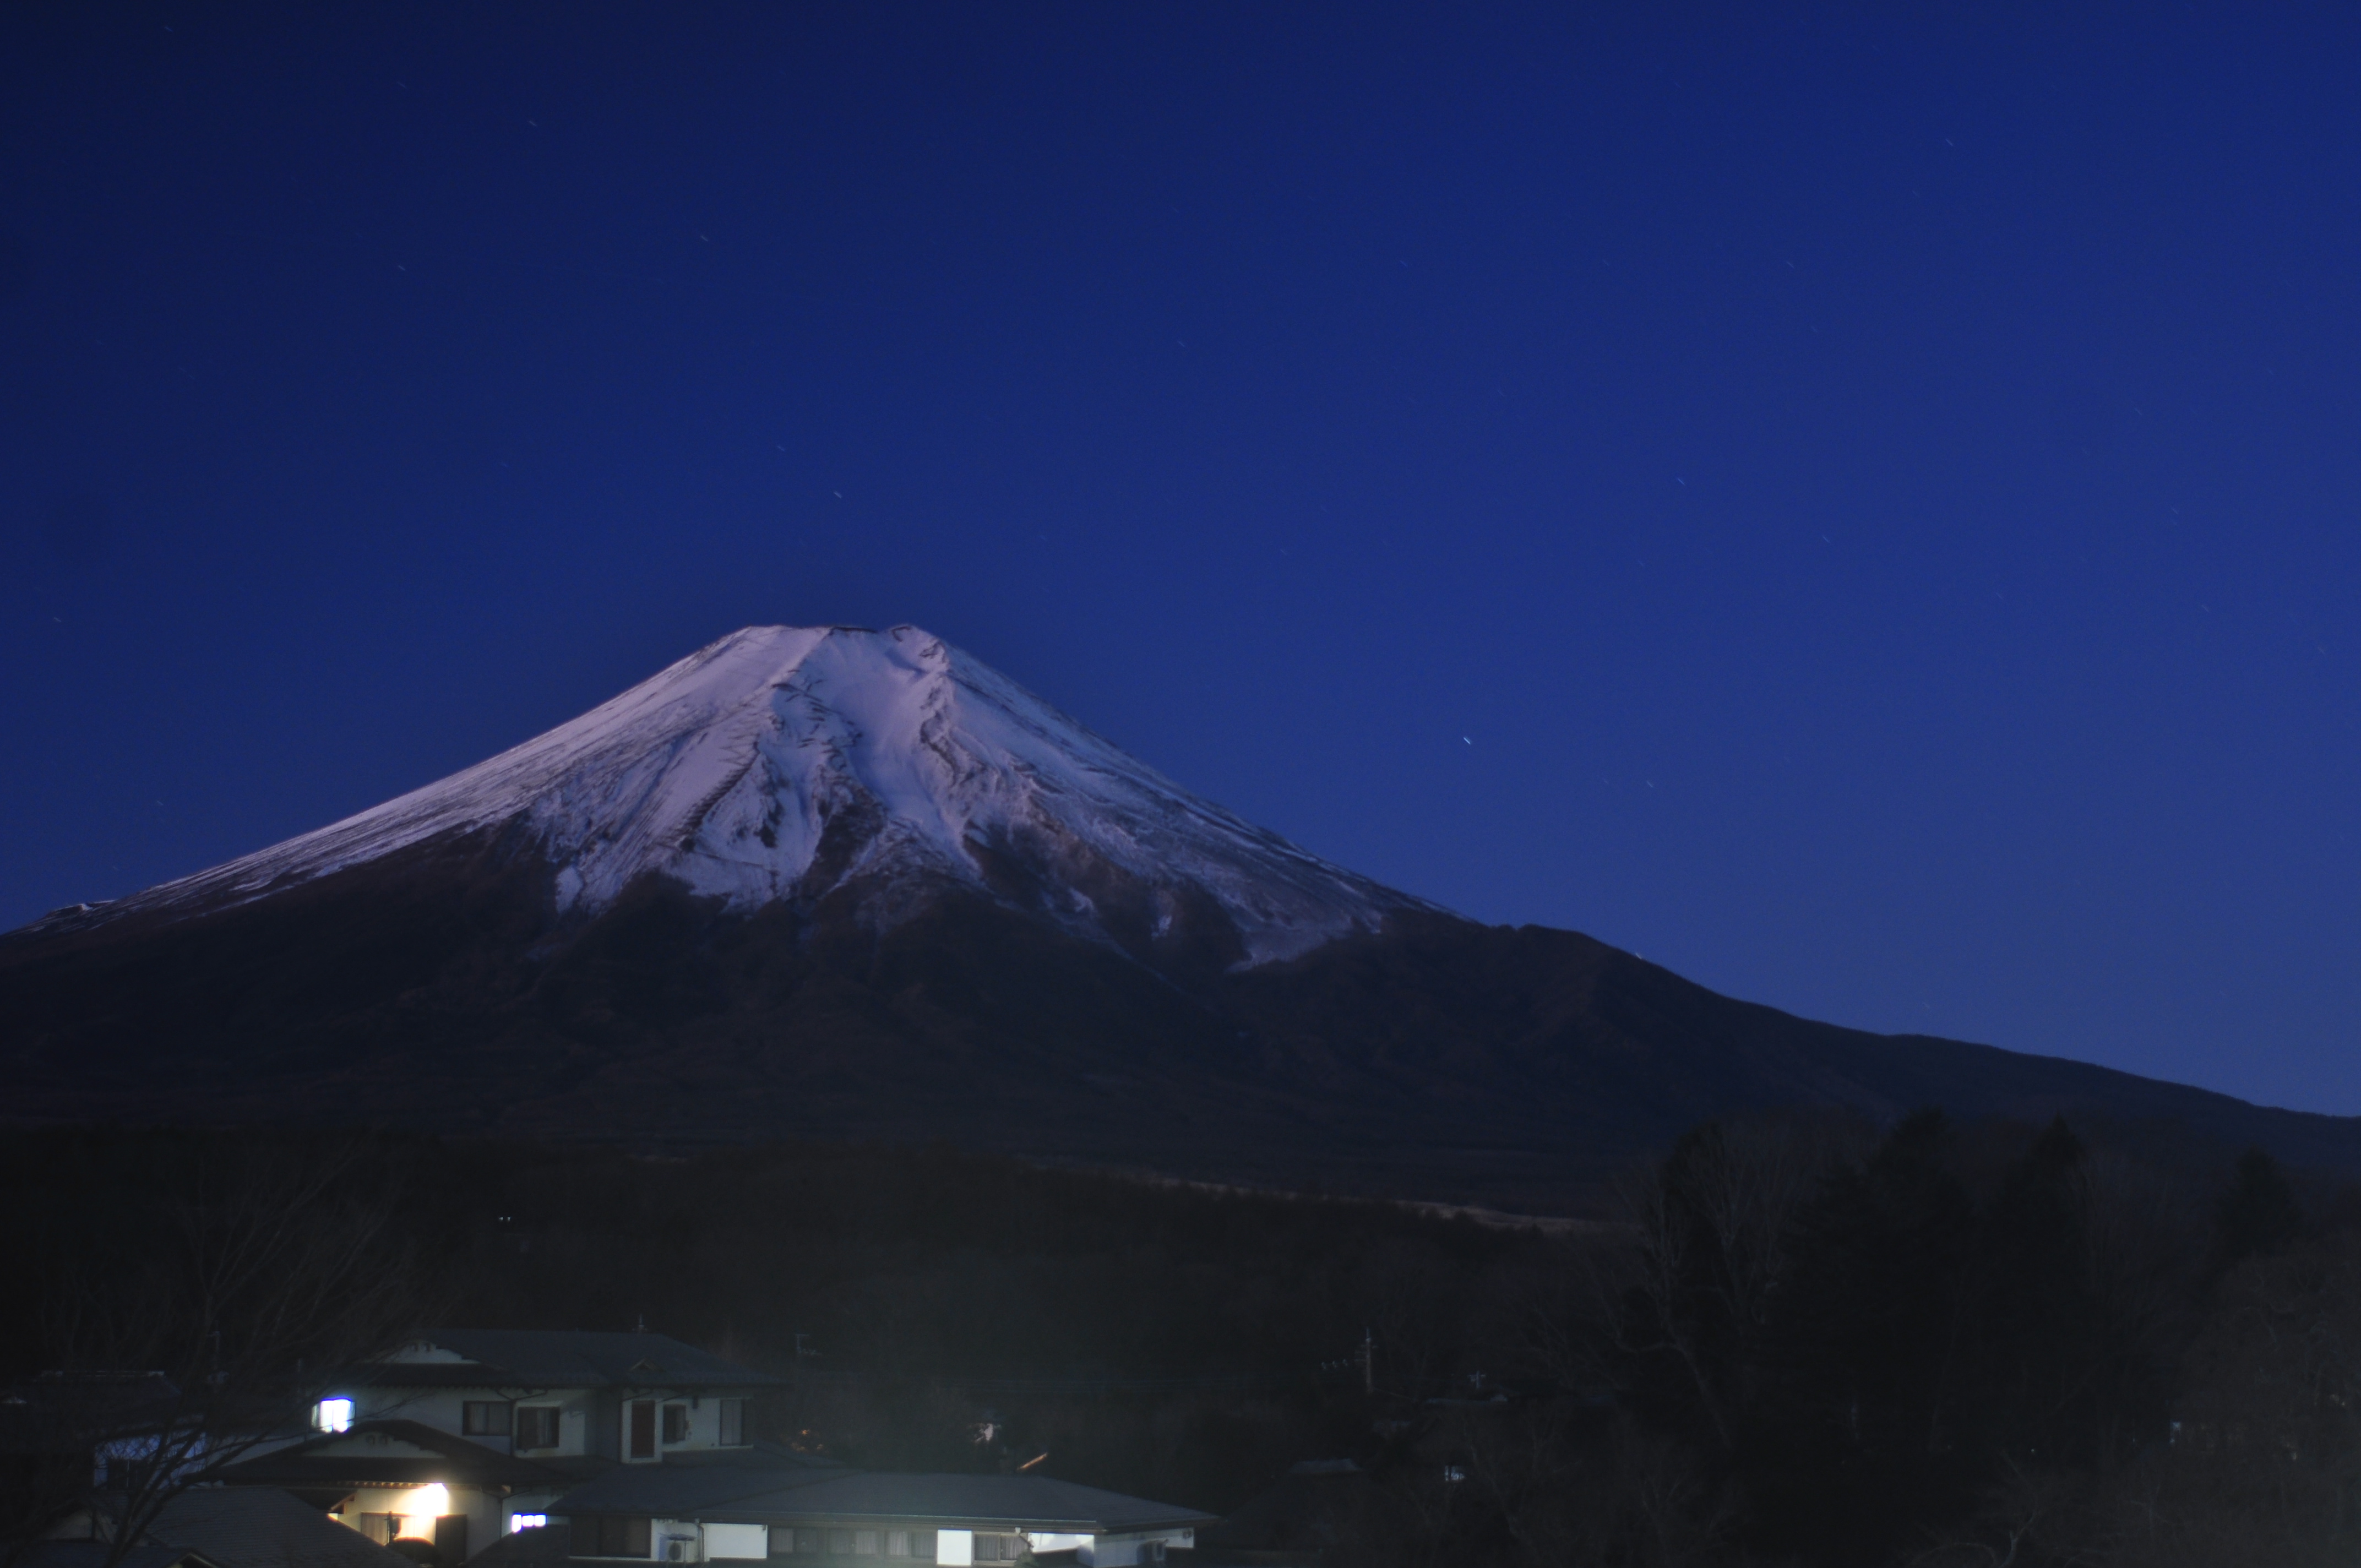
(424, 1506)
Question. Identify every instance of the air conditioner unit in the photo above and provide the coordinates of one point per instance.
(679, 1549)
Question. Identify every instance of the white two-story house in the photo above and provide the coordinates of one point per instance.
(468, 1434)
(545, 1395)
(639, 1449)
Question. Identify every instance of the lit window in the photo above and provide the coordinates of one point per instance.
(527, 1522)
(333, 1415)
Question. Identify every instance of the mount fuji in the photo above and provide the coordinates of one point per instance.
(782, 764)
(840, 883)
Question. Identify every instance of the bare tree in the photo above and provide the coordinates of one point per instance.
(1711, 1224)
(211, 1326)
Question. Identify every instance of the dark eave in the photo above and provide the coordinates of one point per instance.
(984, 1502)
(343, 1459)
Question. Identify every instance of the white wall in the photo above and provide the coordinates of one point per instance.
(1122, 1551)
(704, 1423)
(487, 1514)
(444, 1409)
(731, 1540)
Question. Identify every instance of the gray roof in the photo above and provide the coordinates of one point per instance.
(560, 1358)
(343, 1459)
(779, 1495)
(258, 1526)
(92, 1553)
(540, 1546)
(691, 1479)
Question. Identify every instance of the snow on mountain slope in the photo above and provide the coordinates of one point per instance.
(782, 761)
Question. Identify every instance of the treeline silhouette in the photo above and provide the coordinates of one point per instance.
(1919, 1351)
(1802, 1340)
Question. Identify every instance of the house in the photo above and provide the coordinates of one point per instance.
(465, 1435)
(638, 1447)
(76, 1427)
(556, 1395)
(407, 1485)
(70, 1438)
(794, 1515)
(256, 1526)
(235, 1527)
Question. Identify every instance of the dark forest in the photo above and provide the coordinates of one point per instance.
(1798, 1342)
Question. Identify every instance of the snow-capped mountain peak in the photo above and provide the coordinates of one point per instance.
(784, 762)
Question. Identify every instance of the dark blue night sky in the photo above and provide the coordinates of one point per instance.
(1858, 505)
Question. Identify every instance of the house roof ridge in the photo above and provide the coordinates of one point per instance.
(551, 1358)
(316, 1460)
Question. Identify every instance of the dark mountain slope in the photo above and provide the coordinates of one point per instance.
(1606, 1051)
(439, 988)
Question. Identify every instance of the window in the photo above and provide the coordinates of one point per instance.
(528, 1521)
(808, 1542)
(484, 1418)
(839, 1543)
(897, 1543)
(865, 1543)
(640, 1430)
(333, 1415)
(675, 1423)
(998, 1548)
(536, 1426)
(733, 1423)
(743, 1542)
(620, 1535)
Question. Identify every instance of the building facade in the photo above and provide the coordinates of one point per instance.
(642, 1450)
(811, 1517)
(466, 1435)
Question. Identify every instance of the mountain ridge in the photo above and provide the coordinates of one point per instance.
(971, 918)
